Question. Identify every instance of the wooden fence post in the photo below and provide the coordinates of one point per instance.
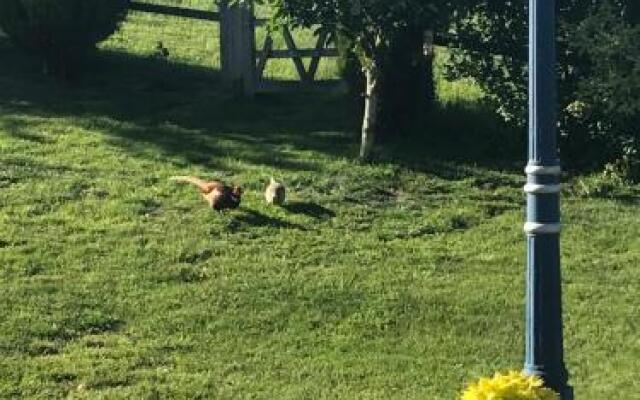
(237, 47)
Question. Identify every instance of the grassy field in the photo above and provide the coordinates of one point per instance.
(403, 279)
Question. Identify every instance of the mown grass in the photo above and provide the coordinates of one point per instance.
(191, 42)
(401, 279)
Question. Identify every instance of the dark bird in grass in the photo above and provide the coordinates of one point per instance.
(275, 193)
(161, 51)
(216, 193)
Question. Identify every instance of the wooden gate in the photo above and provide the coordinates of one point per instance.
(242, 65)
(306, 76)
(245, 65)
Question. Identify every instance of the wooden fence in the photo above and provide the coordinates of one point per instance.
(242, 65)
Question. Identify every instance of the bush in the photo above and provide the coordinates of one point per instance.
(607, 105)
(61, 31)
(598, 69)
(510, 386)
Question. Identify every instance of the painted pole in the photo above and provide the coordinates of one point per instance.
(544, 339)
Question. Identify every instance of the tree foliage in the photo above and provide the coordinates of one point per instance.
(60, 31)
(370, 27)
(597, 70)
(369, 23)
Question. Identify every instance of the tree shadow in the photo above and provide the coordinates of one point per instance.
(19, 130)
(249, 217)
(309, 209)
(628, 199)
(455, 141)
(184, 110)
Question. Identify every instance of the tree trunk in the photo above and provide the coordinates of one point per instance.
(407, 88)
(370, 119)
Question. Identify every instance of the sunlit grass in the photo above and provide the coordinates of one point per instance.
(402, 279)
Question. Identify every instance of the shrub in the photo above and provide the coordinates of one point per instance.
(598, 68)
(61, 31)
(511, 386)
(608, 106)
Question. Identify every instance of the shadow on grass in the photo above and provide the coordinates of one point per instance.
(182, 109)
(454, 141)
(309, 209)
(254, 218)
(18, 129)
(629, 200)
(185, 111)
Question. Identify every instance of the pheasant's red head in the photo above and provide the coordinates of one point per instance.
(237, 191)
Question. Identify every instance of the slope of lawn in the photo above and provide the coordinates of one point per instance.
(403, 279)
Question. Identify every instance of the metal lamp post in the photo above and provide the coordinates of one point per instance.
(544, 339)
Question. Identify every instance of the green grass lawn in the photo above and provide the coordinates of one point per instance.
(403, 279)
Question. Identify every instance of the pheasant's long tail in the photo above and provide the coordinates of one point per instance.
(197, 182)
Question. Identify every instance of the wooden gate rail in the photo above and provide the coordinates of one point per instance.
(304, 53)
(307, 76)
(175, 11)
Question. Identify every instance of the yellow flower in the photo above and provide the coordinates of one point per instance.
(513, 385)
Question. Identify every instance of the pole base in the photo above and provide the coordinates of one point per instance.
(559, 386)
(567, 393)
